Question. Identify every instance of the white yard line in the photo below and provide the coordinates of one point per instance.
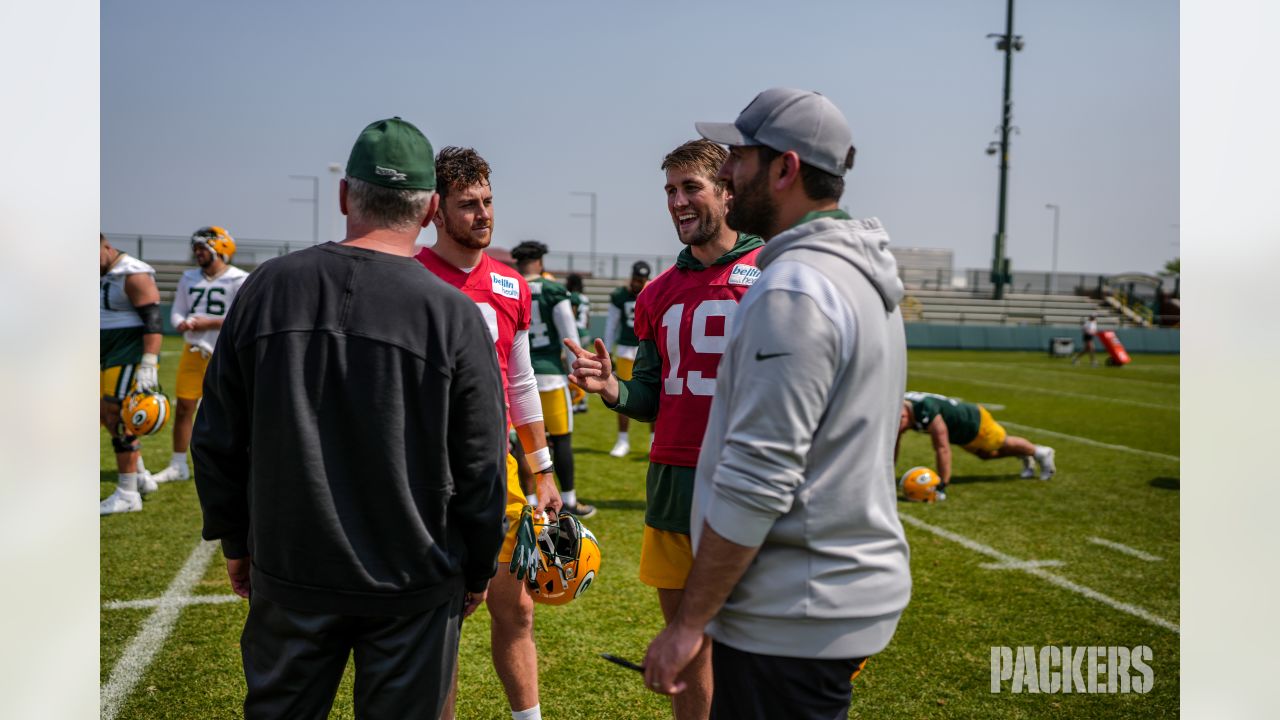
(1087, 441)
(1124, 549)
(155, 630)
(184, 601)
(1041, 573)
(1092, 378)
(1022, 564)
(1045, 391)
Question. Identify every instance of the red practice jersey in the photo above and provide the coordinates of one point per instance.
(500, 293)
(686, 313)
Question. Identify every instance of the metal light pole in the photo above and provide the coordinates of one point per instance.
(315, 204)
(591, 215)
(1008, 43)
(1053, 275)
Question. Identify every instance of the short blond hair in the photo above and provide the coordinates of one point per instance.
(701, 156)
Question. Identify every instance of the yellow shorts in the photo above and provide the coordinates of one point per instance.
(991, 434)
(191, 369)
(116, 382)
(556, 414)
(665, 559)
(515, 504)
(622, 368)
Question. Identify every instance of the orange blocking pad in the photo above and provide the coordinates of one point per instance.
(1114, 348)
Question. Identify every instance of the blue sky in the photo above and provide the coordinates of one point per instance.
(207, 108)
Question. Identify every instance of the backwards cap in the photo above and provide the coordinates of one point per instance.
(393, 153)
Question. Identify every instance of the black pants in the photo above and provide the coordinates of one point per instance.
(293, 661)
(769, 687)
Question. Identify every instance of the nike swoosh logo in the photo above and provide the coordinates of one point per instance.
(763, 356)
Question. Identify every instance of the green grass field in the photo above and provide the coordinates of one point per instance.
(1116, 435)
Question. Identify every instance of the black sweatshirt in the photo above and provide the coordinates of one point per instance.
(351, 438)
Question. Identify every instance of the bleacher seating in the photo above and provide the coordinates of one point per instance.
(965, 308)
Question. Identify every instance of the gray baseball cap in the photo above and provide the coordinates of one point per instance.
(787, 119)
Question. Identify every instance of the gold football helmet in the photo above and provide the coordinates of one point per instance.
(920, 484)
(144, 413)
(217, 239)
(569, 560)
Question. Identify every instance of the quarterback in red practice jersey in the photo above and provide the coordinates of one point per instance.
(464, 228)
(682, 324)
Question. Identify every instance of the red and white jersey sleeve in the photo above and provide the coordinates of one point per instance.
(500, 293)
(686, 313)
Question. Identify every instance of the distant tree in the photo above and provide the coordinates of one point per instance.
(1171, 267)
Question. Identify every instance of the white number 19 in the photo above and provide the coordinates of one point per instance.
(700, 341)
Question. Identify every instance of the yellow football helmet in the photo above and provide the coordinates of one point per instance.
(144, 413)
(569, 560)
(217, 239)
(920, 484)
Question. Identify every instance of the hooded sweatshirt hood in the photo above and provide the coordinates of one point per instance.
(863, 243)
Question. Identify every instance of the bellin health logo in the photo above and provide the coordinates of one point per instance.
(1068, 669)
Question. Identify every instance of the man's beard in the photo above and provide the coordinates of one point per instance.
(752, 211)
(463, 235)
(707, 229)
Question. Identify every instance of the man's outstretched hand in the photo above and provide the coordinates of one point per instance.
(593, 371)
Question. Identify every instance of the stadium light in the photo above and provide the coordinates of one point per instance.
(1053, 274)
(1007, 43)
(315, 204)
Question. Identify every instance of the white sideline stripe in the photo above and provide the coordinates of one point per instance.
(1043, 574)
(1046, 391)
(155, 630)
(1124, 549)
(1087, 441)
(1022, 565)
(183, 601)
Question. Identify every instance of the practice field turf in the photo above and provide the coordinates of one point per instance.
(1089, 558)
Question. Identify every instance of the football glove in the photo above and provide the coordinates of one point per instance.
(146, 379)
(525, 558)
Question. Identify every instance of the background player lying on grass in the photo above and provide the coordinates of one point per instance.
(952, 422)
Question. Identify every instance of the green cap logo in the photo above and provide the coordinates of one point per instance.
(393, 153)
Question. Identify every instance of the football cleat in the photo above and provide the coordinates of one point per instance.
(620, 448)
(1028, 468)
(144, 413)
(582, 511)
(568, 560)
(146, 483)
(120, 501)
(172, 473)
(1047, 468)
(920, 484)
(217, 239)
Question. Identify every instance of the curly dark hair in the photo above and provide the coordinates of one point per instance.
(458, 168)
(529, 250)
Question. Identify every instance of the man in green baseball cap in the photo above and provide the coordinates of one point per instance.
(394, 154)
(376, 536)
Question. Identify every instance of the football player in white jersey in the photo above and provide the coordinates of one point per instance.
(203, 298)
(128, 353)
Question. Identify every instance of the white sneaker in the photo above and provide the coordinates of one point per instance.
(172, 473)
(146, 484)
(620, 448)
(120, 501)
(1028, 468)
(1047, 468)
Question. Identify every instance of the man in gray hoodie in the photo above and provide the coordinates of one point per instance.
(801, 565)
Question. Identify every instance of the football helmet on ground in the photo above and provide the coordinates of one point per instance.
(920, 484)
(216, 239)
(568, 560)
(144, 413)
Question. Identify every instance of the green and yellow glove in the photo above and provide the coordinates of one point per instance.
(524, 560)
